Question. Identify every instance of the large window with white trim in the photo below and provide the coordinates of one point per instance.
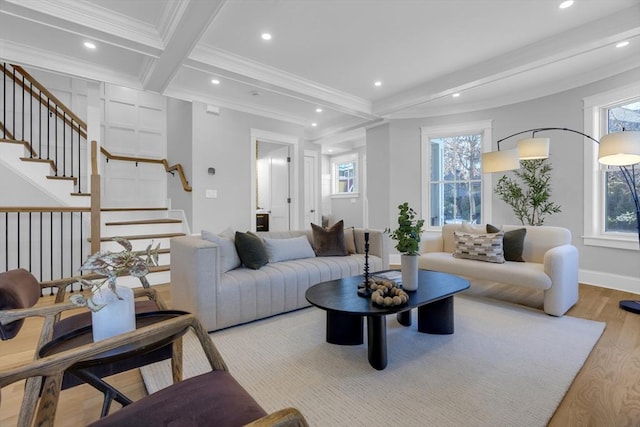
(452, 175)
(610, 219)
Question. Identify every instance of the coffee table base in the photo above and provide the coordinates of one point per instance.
(344, 329)
(433, 318)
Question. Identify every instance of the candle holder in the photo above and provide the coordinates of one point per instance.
(363, 288)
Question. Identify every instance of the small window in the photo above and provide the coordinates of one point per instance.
(345, 173)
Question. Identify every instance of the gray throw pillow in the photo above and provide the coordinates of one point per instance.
(512, 244)
(330, 241)
(251, 250)
(288, 249)
(229, 258)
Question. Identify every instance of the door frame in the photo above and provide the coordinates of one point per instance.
(283, 139)
(316, 187)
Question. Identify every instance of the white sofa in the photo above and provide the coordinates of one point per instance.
(223, 299)
(551, 263)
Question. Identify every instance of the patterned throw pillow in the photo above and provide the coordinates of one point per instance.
(482, 247)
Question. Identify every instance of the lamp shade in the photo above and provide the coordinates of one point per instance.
(533, 148)
(620, 148)
(500, 161)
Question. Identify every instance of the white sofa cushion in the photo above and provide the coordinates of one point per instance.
(288, 249)
(528, 274)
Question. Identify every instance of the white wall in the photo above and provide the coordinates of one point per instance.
(224, 142)
(180, 150)
(566, 154)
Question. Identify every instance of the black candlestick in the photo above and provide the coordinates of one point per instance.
(363, 288)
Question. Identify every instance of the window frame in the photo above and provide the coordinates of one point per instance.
(595, 124)
(336, 161)
(426, 134)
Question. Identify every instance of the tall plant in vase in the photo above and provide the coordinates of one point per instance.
(407, 236)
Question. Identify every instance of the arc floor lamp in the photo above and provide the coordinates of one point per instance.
(615, 149)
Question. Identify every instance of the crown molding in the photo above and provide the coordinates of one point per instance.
(170, 20)
(90, 20)
(210, 59)
(587, 38)
(191, 96)
(29, 56)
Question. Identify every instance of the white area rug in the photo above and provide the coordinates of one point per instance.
(505, 365)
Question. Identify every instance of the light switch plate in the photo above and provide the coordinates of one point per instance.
(211, 194)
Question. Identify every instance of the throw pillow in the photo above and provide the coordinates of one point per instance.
(329, 242)
(288, 249)
(229, 258)
(251, 250)
(513, 242)
(467, 227)
(350, 240)
(482, 247)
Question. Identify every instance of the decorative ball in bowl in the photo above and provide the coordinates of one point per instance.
(386, 293)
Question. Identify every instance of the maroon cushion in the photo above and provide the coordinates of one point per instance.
(211, 399)
(18, 289)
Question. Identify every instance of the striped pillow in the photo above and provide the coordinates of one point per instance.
(481, 247)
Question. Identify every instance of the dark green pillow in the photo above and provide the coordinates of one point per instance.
(251, 250)
(329, 241)
(512, 243)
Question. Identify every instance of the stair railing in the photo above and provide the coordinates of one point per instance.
(49, 130)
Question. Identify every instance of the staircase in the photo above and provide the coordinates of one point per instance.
(45, 144)
(142, 227)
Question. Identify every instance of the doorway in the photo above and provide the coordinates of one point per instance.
(273, 187)
(279, 181)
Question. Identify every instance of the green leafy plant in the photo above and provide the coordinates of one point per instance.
(529, 195)
(110, 265)
(408, 232)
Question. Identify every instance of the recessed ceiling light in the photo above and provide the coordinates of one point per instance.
(89, 45)
(215, 81)
(378, 83)
(314, 124)
(318, 110)
(623, 44)
(455, 95)
(566, 4)
(330, 150)
(266, 36)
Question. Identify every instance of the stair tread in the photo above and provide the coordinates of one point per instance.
(143, 236)
(81, 194)
(69, 178)
(132, 209)
(146, 221)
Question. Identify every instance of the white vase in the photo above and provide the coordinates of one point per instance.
(409, 269)
(117, 317)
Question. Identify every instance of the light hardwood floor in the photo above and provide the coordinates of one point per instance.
(606, 392)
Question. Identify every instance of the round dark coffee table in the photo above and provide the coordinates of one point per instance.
(346, 310)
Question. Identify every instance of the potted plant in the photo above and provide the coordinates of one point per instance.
(112, 307)
(407, 236)
(529, 194)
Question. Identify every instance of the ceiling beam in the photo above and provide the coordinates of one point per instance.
(194, 20)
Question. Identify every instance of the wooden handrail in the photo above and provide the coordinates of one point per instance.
(15, 209)
(79, 124)
(164, 162)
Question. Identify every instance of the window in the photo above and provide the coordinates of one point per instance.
(452, 173)
(620, 211)
(610, 220)
(345, 175)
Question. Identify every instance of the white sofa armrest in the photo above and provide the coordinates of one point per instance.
(561, 265)
(195, 274)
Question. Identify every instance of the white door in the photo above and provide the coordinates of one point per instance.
(273, 165)
(310, 191)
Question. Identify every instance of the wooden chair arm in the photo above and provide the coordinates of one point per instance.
(53, 367)
(288, 417)
(152, 294)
